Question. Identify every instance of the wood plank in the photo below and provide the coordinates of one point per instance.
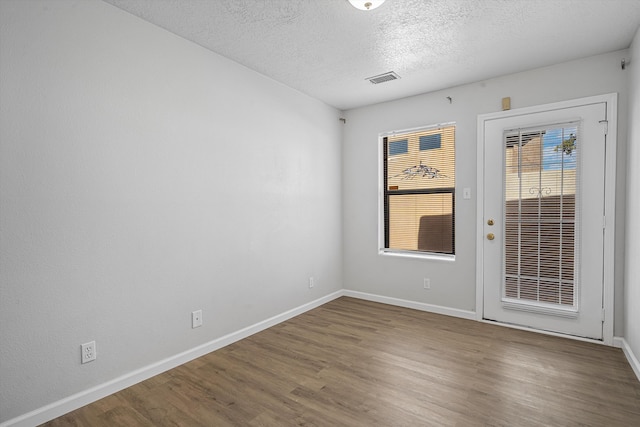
(359, 363)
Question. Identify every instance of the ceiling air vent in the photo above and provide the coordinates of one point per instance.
(386, 77)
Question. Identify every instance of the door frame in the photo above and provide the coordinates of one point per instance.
(611, 100)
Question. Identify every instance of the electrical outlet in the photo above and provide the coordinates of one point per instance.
(196, 319)
(311, 282)
(89, 352)
(427, 283)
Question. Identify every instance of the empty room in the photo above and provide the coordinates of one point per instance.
(319, 213)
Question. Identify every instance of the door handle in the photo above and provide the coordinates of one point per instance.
(491, 236)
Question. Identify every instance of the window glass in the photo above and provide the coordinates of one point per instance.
(398, 147)
(419, 190)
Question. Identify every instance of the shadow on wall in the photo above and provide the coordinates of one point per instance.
(435, 233)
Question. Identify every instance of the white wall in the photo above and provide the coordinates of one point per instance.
(632, 254)
(143, 177)
(453, 283)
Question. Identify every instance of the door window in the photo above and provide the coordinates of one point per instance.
(540, 219)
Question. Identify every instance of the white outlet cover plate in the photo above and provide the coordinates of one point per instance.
(88, 352)
(196, 319)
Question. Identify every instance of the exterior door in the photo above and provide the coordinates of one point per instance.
(543, 219)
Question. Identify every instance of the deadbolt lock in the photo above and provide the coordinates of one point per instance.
(490, 222)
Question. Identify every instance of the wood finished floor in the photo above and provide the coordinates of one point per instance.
(359, 363)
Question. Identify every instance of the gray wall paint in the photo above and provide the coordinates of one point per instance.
(453, 283)
(632, 253)
(143, 177)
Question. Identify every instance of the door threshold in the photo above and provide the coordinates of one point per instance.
(545, 332)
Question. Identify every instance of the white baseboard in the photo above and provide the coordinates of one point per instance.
(431, 308)
(83, 398)
(622, 343)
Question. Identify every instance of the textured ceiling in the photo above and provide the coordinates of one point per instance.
(326, 48)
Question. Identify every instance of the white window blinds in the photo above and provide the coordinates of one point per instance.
(540, 217)
(419, 190)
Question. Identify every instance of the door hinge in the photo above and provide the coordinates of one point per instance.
(604, 222)
(605, 127)
(603, 315)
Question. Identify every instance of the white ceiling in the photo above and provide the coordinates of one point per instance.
(326, 48)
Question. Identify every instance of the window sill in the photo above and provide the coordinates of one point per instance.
(426, 256)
